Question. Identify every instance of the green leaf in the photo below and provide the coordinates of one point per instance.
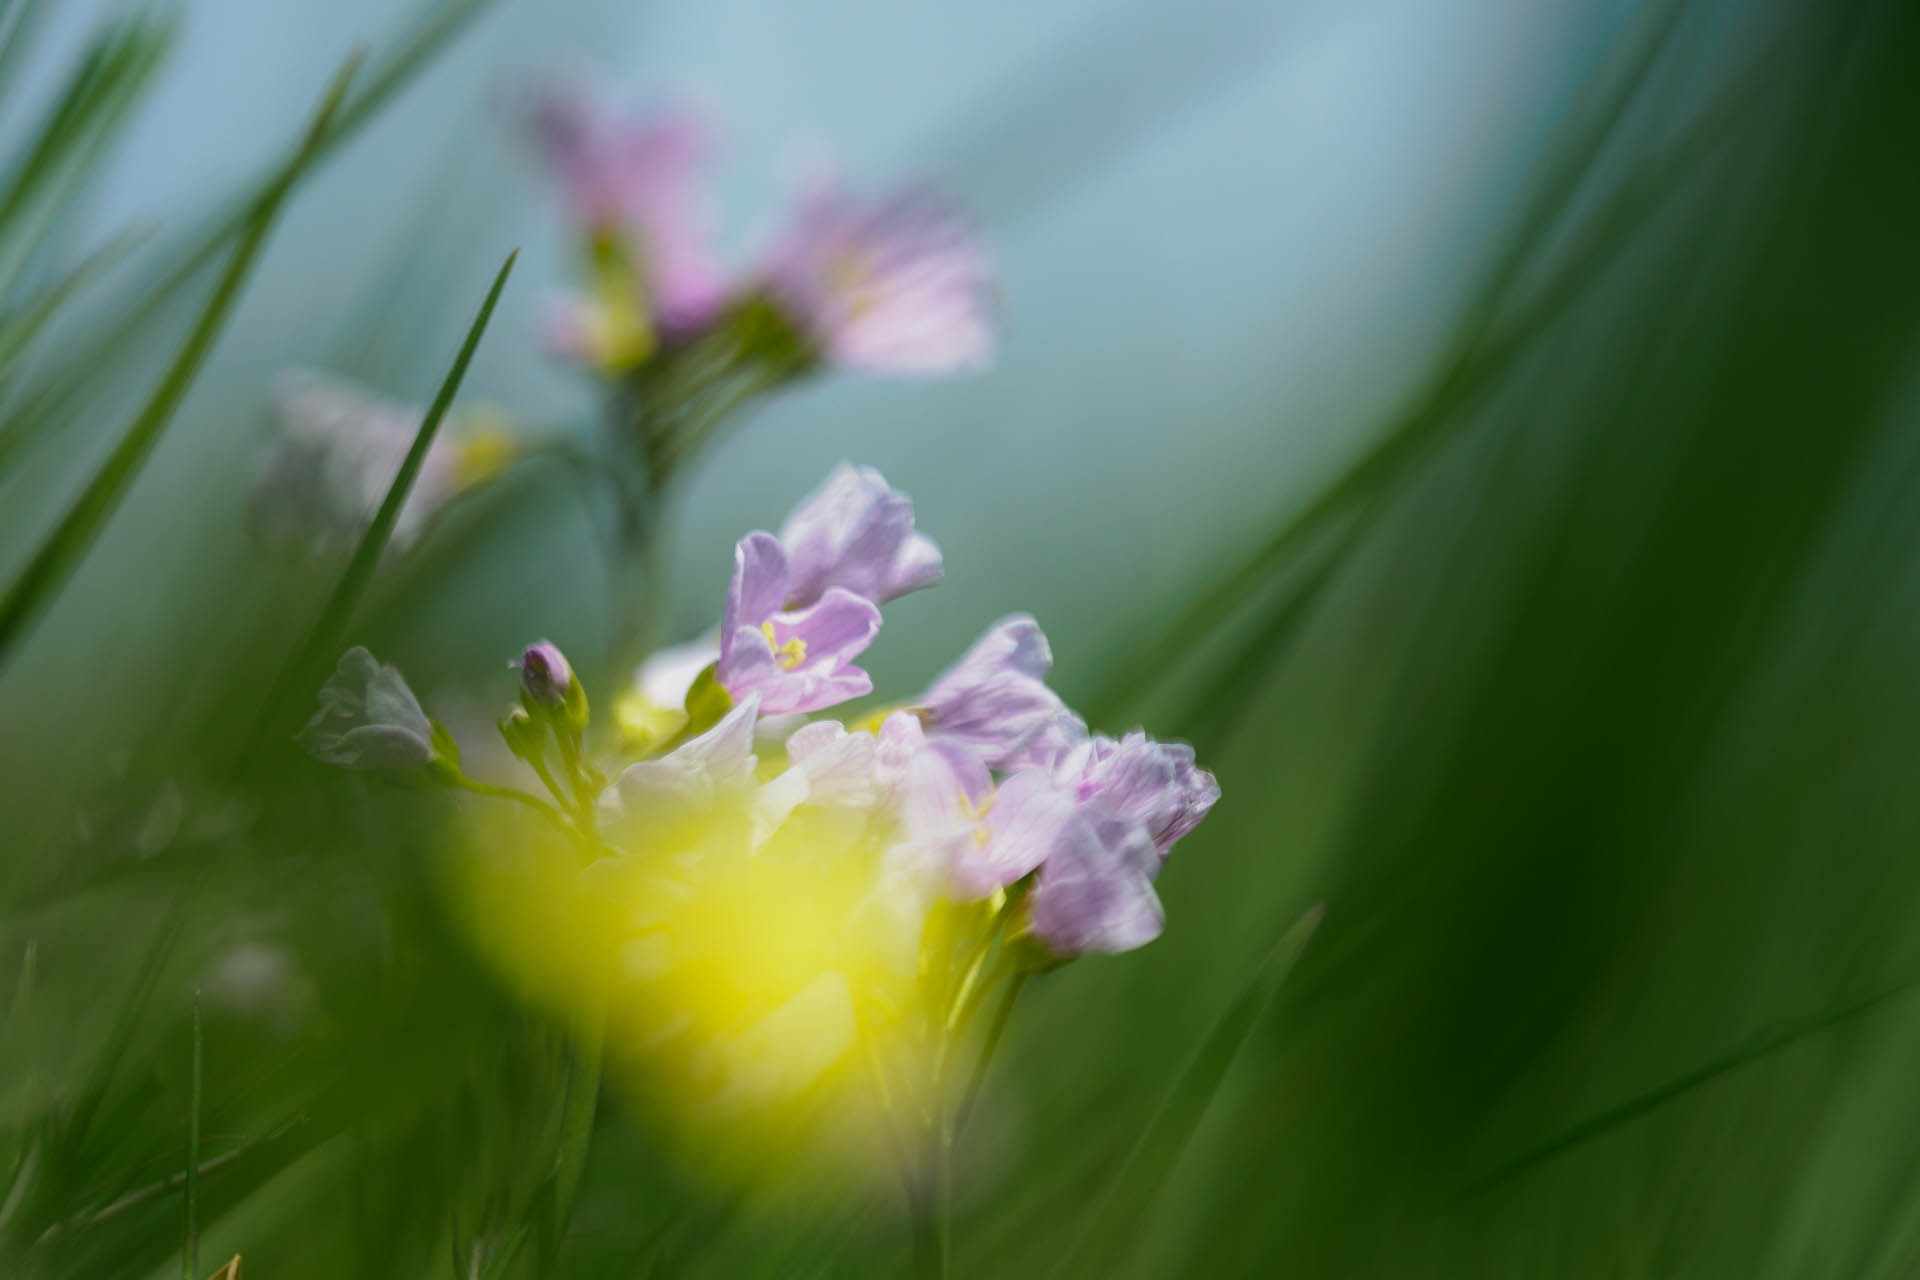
(63, 549)
(1124, 1207)
(1458, 383)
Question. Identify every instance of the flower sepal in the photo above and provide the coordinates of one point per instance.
(707, 702)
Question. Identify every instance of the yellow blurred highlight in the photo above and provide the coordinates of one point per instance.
(645, 724)
(753, 981)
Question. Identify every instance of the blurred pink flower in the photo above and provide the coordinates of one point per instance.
(632, 184)
(901, 285)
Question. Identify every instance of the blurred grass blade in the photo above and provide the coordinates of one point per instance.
(19, 328)
(325, 636)
(48, 569)
(1216, 709)
(61, 396)
(97, 94)
(1761, 1046)
(1481, 354)
(91, 114)
(68, 1144)
(190, 1247)
(19, 24)
(1122, 1210)
(500, 1259)
(1584, 139)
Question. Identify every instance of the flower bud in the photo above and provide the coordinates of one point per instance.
(547, 684)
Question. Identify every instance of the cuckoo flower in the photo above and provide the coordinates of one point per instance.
(839, 766)
(995, 699)
(691, 777)
(369, 719)
(856, 531)
(899, 285)
(631, 184)
(1153, 783)
(1095, 892)
(982, 835)
(795, 660)
(338, 450)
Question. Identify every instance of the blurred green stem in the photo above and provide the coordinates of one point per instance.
(535, 803)
(988, 1046)
(324, 638)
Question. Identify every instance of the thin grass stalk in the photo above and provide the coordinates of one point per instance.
(56, 400)
(325, 635)
(190, 1251)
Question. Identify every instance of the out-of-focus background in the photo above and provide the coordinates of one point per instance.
(1486, 429)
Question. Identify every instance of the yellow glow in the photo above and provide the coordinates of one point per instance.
(617, 331)
(751, 980)
(485, 447)
(644, 723)
(851, 276)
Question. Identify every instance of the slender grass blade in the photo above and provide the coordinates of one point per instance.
(57, 557)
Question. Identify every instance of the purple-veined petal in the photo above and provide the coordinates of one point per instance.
(856, 531)
(1094, 893)
(900, 285)
(995, 698)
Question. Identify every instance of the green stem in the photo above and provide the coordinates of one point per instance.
(988, 1046)
(540, 806)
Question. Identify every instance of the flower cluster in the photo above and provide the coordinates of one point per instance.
(761, 895)
(898, 284)
(894, 285)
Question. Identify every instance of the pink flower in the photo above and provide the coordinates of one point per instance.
(899, 285)
(795, 660)
(856, 531)
(632, 185)
(996, 700)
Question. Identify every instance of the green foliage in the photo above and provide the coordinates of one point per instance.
(1583, 695)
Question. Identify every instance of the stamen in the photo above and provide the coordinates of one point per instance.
(789, 653)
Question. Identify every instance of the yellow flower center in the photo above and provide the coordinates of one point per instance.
(485, 449)
(982, 829)
(851, 276)
(616, 328)
(789, 653)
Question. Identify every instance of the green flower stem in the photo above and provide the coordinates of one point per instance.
(546, 810)
(988, 1045)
